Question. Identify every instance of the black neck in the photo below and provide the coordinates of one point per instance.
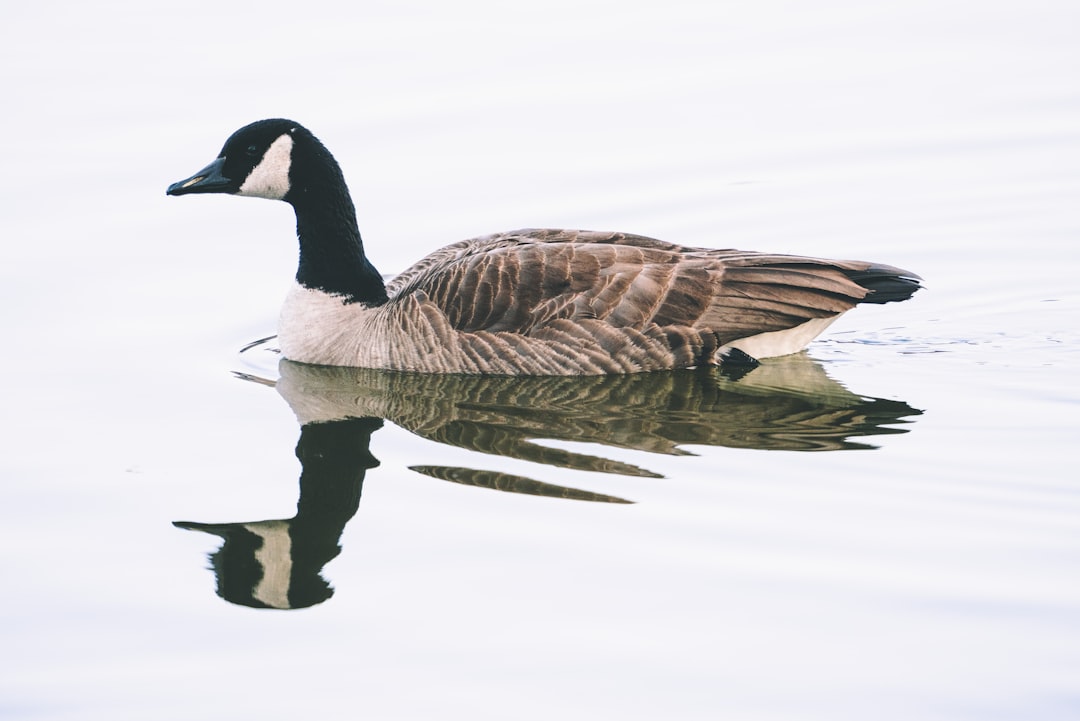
(331, 252)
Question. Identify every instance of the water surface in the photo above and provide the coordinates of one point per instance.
(883, 527)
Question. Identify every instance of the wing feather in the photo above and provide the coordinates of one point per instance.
(526, 281)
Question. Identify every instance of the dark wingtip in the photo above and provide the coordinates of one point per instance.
(886, 284)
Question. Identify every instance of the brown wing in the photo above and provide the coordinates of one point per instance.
(525, 280)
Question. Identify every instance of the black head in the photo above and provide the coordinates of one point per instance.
(282, 160)
(255, 161)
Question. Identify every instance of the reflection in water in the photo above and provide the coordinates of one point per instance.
(278, 563)
(785, 404)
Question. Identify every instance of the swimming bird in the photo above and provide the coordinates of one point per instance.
(527, 302)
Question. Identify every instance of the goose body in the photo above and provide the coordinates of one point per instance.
(527, 302)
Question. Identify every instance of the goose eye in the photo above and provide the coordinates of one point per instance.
(251, 151)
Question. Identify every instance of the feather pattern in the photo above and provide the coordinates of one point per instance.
(572, 302)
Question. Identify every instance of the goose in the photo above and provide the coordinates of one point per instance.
(527, 302)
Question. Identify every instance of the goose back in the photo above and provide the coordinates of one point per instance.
(569, 302)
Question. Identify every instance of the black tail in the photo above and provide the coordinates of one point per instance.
(886, 283)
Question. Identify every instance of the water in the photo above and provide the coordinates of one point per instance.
(884, 527)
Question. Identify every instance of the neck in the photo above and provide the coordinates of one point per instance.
(331, 252)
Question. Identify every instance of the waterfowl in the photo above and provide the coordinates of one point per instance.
(527, 302)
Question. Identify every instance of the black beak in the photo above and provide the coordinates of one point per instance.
(207, 180)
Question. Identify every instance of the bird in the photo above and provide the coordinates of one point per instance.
(532, 301)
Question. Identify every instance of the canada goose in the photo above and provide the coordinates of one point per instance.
(527, 302)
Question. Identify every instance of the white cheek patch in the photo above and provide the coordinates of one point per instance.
(270, 178)
(275, 557)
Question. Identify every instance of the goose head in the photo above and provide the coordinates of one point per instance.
(280, 159)
(272, 159)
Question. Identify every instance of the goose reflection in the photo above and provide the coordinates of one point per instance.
(278, 563)
(787, 404)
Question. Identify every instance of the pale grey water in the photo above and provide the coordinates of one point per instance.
(929, 574)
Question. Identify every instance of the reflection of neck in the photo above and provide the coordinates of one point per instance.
(335, 458)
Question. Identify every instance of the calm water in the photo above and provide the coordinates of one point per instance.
(885, 527)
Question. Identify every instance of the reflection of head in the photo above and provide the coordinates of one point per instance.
(278, 563)
(257, 567)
